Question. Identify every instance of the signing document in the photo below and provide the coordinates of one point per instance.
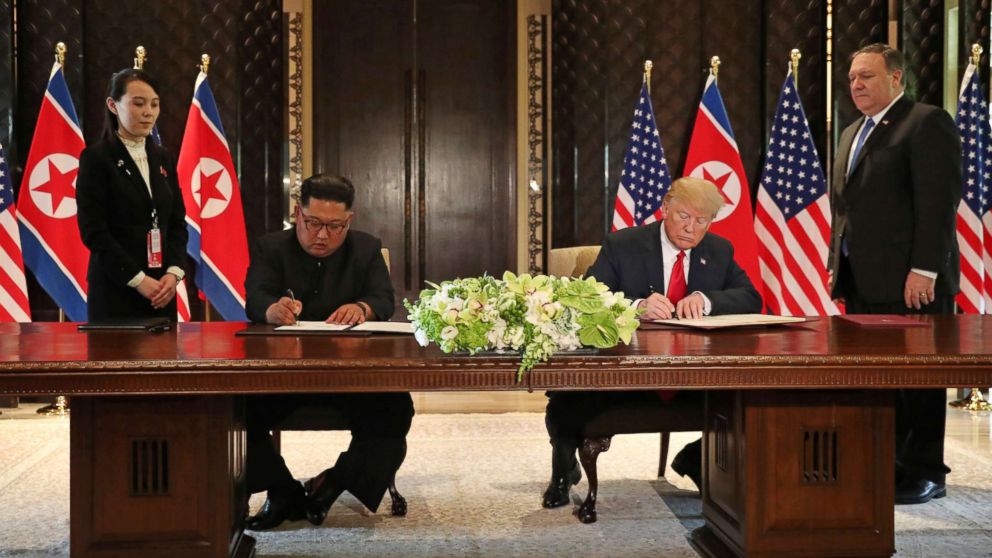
(376, 327)
(732, 320)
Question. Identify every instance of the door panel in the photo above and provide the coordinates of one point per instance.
(414, 103)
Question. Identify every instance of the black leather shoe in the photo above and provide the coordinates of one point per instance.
(322, 491)
(276, 510)
(689, 463)
(556, 495)
(919, 492)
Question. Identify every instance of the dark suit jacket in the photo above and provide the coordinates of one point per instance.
(898, 207)
(354, 272)
(630, 261)
(115, 215)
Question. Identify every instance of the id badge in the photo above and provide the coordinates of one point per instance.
(154, 248)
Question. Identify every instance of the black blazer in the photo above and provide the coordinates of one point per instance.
(898, 208)
(630, 260)
(115, 215)
(354, 272)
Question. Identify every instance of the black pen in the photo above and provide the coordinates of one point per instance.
(293, 298)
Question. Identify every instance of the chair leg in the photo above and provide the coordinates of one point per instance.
(398, 508)
(399, 502)
(663, 458)
(588, 454)
(277, 441)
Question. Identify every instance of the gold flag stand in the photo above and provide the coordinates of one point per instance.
(61, 406)
(975, 401)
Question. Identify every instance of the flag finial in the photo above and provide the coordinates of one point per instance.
(204, 63)
(139, 58)
(976, 53)
(715, 66)
(795, 55)
(647, 73)
(60, 53)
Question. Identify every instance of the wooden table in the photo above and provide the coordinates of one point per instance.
(798, 441)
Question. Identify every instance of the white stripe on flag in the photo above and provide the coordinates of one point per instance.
(51, 254)
(792, 247)
(62, 113)
(9, 226)
(223, 279)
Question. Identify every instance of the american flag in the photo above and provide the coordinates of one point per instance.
(793, 215)
(13, 287)
(974, 222)
(645, 178)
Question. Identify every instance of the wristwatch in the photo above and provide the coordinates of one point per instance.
(365, 308)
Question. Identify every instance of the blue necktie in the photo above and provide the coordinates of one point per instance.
(869, 124)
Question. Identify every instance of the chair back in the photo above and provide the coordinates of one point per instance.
(571, 262)
(385, 256)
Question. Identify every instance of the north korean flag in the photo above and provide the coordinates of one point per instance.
(46, 203)
(217, 239)
(713, 155)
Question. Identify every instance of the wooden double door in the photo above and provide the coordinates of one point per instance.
(414, 101)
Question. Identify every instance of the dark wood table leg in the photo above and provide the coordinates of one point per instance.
(798, 473)
(158, 477)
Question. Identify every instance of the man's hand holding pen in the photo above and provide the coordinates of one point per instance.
(284, 311)
(658, 307)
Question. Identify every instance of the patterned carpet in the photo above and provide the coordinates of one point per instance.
(473, 484)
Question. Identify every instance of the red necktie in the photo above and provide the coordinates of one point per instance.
(676, 284)
(677, 289)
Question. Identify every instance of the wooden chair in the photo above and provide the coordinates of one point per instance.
(683, 414)
(311, 417)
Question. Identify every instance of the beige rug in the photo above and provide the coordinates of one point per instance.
(473, 484)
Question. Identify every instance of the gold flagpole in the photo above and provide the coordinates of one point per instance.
(61, 405)
(647, 74)
(715, 68)
(205, 67)
(975, 401)
(139, 58)
(795, 55)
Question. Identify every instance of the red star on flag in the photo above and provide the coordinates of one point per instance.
(59, 185)
(720, 183)
(208, 187)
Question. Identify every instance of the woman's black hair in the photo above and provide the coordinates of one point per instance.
(116, 89)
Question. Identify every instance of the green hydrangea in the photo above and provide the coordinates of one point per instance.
(534, 316)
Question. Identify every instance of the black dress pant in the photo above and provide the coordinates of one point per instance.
(920, 413)
(378, 422)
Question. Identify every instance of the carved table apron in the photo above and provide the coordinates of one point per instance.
(798, 443)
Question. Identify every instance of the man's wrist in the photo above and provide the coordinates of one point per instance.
(366, 309)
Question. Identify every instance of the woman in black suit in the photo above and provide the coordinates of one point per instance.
(131, 212)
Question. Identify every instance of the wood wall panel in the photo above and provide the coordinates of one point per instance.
(856, 23)
(922, 41)
(974, 23)
(802, 25)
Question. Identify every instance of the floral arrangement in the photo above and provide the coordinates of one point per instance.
(534, 316)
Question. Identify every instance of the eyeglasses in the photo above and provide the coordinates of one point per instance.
(314, 226)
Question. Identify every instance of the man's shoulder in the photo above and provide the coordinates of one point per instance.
(624, 237)
(715, 243)
(364, 241)
(277, 239)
